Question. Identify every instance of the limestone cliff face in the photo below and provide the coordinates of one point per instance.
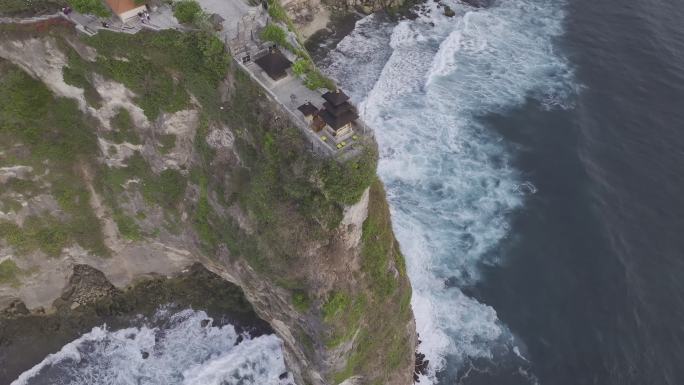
(209, 171)
(312, 15)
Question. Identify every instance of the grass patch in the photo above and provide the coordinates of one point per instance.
(10, 204)
(301, 301)
(167, 143)
(127, 226)
(345, 182)
(166, 189)
(382, 347)
(53, 130)
(77, 75)
(123, 128)
(38, 233)
(380, 248)
(53, 127)
(313, 78)
(275, 34)
(9, 273)
(337, 303)
(161, 67)
(14, 7)
(94, 7)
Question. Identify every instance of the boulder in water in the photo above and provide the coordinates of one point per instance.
(448, 12)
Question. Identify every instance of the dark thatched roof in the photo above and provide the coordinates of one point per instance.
(308, 109)
(336, 97)
(274, 64)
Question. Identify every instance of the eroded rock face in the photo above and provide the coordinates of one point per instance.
(43, 59)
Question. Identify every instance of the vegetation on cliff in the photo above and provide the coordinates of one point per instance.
(265, 200)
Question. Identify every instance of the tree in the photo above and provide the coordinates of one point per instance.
(95, 7)
(186, 11)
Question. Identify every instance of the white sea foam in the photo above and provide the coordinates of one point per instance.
(182, 352)
(449, 183)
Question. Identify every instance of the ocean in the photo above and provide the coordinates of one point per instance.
(533, 156)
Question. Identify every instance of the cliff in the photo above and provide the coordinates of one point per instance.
(147, 153)
(310, 16)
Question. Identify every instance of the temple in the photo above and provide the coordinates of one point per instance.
(338, 114)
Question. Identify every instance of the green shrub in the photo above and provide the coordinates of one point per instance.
(337, 303)
(38, 233)
(9, 272)
(301, 67)
(186, 11)
(123, 129)
(11, 7)
(168, 142)
(95, 7)
(167, 189)
(163, 66)
(344, 182)
(301, 301)
(315, 80)
(76, 78)
(276, 11)
(127, 226)
(157, 91)
(275, 34)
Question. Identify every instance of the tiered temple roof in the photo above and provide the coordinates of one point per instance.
(338, 112)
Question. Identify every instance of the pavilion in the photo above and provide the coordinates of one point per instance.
(274, 63)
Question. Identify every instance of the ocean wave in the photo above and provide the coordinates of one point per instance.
(448, 176)
(183, 352)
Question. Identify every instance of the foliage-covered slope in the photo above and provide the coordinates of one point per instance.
(168, 144)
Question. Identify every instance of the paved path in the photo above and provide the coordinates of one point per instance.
(233, 11)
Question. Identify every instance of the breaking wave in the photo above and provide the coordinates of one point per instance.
(424, 86)
(185, 351)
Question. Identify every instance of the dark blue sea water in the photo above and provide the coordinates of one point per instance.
(533, 153)
(593, 278)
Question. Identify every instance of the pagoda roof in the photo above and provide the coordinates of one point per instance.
(340, 109)
(335, 122)
(336, 97)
